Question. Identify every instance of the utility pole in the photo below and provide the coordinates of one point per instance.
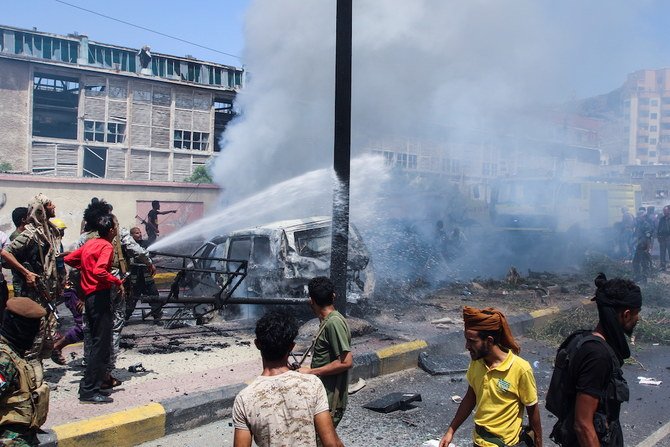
(341, 153)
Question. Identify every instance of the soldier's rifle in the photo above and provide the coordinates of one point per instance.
(46, 299)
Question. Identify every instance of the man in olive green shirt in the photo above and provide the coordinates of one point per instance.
(331, 359)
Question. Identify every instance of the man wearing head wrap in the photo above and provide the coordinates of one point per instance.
(500, 383)
(595, 368)
(32, 257)
(24, 398)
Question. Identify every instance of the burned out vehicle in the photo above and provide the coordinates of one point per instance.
(281, 257)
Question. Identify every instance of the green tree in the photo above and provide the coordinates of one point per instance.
(200, 175)
(5, 167)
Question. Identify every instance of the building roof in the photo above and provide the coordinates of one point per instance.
(80, 52)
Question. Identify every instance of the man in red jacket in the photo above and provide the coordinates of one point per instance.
(94, 260)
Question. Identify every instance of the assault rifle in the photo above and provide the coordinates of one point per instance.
(46, 300)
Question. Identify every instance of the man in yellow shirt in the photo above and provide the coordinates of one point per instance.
(500, 382)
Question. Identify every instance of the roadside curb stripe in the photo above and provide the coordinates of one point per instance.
(124, 428)
(401, 348)
(153, 421)
(400, 357)
(544, 312)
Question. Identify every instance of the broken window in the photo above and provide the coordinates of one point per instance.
(95, 86)
(223, 113)
(55, 104)
(116, 132)
(108, 57)
(235, 78)
(99, 131)
(240, 250)
(313, 243)
(262, 254)
(184, 139)
(42, 46)
(95, 161)
(94, 131)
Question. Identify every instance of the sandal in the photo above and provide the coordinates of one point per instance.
(110, 383)
(57, 357)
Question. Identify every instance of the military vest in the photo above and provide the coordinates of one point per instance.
(29, 404)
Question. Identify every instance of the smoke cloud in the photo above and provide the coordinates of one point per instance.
(426, 70)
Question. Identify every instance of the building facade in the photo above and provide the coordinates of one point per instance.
(72, 107)
(646, 117)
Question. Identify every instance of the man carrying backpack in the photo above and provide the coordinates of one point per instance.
(587, 386)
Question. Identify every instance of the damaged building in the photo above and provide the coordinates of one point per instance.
(109, 115)
(77, 108)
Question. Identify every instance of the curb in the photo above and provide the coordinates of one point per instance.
(153, 421)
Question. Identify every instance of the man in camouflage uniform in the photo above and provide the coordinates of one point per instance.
(142, 272)
(32, 257)
(24, 398)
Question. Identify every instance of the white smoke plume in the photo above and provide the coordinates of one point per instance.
(425, 68)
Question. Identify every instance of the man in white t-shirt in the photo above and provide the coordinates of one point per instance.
(282, 408)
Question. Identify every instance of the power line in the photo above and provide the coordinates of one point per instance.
(150, 30)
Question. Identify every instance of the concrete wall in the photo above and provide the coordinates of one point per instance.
(14, 114)
(72, 197)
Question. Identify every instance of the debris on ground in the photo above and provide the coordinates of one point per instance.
(393, 402)
(649, 381)
(356, 387)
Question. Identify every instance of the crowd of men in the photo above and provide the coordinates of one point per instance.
(291, 404)
(94, 290)
(636, 239)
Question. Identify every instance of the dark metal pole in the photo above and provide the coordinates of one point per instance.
(342, 153)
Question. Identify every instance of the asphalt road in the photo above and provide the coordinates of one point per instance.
(646, 418)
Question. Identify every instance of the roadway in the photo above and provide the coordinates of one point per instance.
(646, 418)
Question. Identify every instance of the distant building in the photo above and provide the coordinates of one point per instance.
(72, 107)
(646, 117)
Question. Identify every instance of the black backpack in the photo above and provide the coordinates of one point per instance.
(561, 393)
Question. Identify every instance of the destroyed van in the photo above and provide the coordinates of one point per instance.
(282, 258)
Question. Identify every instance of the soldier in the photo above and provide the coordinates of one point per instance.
(19, 217)
(32, 257)
(142, 271)
(24, 398)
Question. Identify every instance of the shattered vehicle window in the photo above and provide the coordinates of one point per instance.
(240, 249)
(313, 243)
(262, 254)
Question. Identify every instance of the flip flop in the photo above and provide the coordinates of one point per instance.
(111, 383)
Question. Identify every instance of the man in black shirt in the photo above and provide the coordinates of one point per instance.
(595, 370)
(663, 235)
(151, 224)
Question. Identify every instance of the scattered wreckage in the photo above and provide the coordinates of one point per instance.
(266, 264)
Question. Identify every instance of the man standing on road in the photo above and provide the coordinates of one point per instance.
(331, 358)
(94, 260)
(32, 256)
(500, 382)
(24, 397)
(597, 387)
(151, 224)
(663, 235)
(281, 407)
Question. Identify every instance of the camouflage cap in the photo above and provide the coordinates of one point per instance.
(25, 307)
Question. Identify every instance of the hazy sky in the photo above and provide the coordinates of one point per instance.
(217, 24)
